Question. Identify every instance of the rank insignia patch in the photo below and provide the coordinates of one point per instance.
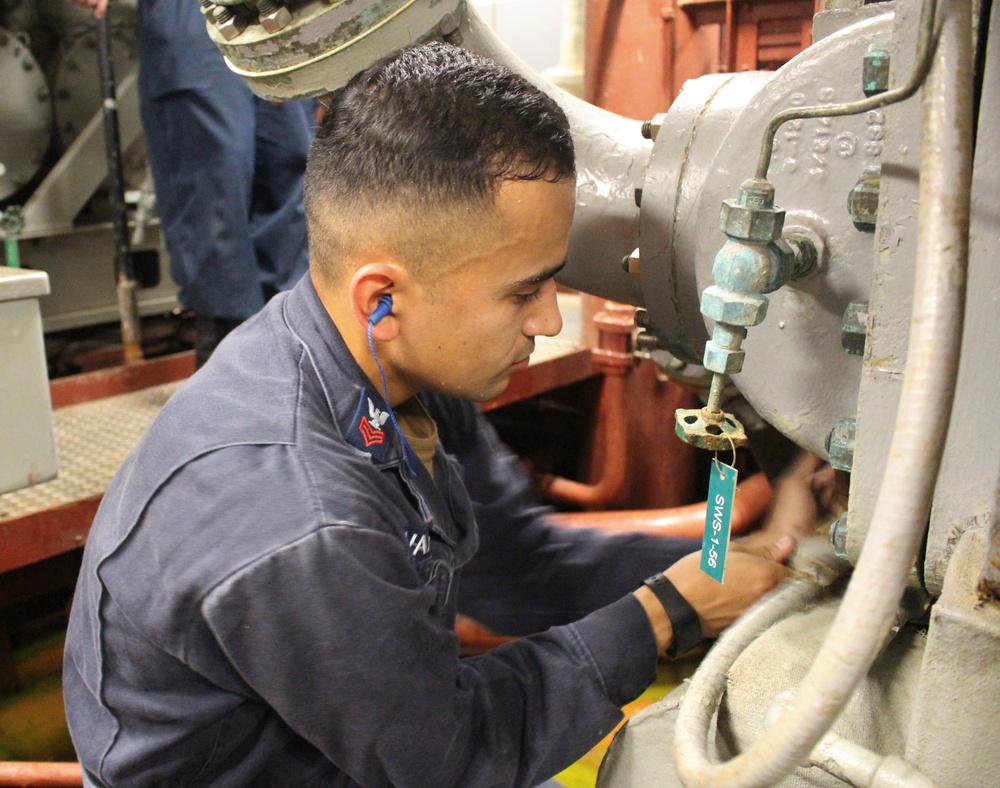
(367, 430)
(371, 427)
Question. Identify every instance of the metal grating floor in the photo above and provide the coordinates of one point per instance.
(92, 440)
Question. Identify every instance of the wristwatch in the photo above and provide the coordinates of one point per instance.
(683, 618)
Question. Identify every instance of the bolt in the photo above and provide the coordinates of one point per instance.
(840, 444)
(862, 202)
(12, 220)
(208, 9)
(632, 265)
(642, 319)
(854, 328)
(448, 30)
(647, 342)
(805, 253)
(875, 71)
(838, 536)
(273, 17)
(651, 128)
(228, 22)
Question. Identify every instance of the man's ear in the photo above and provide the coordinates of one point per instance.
(369, 283)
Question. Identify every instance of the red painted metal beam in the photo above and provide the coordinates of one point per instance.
(545, 376)
(46, 533)
(88, 386)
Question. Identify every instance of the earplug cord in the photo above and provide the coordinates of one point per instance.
(408, 453)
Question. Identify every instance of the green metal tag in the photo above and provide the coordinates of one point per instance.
(718, 520)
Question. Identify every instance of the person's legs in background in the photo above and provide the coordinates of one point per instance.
(229, 191)
(201, 151)
(284, 133)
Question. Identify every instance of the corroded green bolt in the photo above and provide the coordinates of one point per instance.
(875, 72)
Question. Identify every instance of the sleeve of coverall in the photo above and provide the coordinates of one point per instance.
(529, 575)
(353, 663)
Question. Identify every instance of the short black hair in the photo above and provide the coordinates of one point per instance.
(433, 126)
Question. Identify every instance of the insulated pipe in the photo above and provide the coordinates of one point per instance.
(859, 766)
(901, 511)
(852, 763)
(753, 497)
(609, 488)
(611, 157)
(327, 43)
(52, 775)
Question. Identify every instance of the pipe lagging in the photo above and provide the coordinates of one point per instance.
(904, 500)
(852, 763)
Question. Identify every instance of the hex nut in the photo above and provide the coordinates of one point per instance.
(838, 536)
(230, 25)
(632, 265)
(862, 202)
(722, 361)
(751, 223)
(875, 71)
(854, 329)
(230, 28)
(840, 444)
(736, 309)
(276, 20)
(652, 127)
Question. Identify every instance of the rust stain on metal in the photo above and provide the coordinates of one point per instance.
(988, 593)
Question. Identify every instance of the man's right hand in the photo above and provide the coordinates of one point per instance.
(750, 573)
(99, 6)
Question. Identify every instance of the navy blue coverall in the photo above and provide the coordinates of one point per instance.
(228, 167)
(268, 598)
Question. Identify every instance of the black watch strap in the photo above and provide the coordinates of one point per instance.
(683, 618)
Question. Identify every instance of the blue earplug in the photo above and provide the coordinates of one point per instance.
(384, 308)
